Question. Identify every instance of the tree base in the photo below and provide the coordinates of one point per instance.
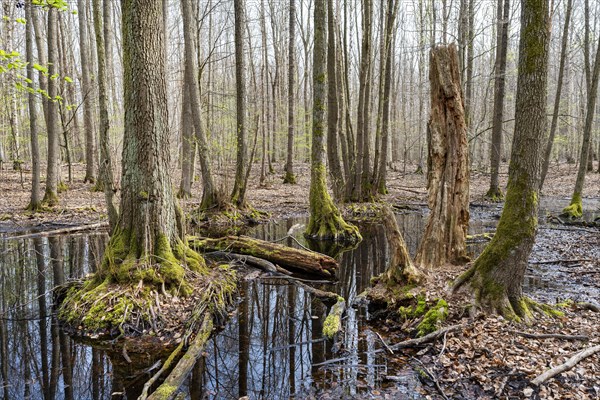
(331, 226)
(50, 198)
(574, 210)
(494, 195)
(289, 178)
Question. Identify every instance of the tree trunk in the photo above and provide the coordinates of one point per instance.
(497, 275)
(325, 220)
(494, 193)
(557, 98)
(575, 209)
(333, 157)
(147, 242)
(209, 195)
(52, 169)
(188, 146)
(34, 202)
(289, 164)
(106, 180)
(444, 239)
(238, 196)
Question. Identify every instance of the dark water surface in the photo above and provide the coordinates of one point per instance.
(271, 348)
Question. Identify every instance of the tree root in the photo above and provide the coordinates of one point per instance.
(427, 338)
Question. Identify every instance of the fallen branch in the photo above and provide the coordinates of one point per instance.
(570, 363)
(427, 338)
(288, 257)
(333, 322)
(589, 306)
(59, 231)
(175, 379)
(559, 261)
(250, 260)
(433, 378)
(551, 336)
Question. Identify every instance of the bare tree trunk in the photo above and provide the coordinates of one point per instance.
(209, 196)
(494, 193)
(333, 157)
(445, 236)
(497, 275)
(557, 98)
(326, 222)
(238, 196)
(188, 146)
(52, 169)
(289, 165)
(34, 202)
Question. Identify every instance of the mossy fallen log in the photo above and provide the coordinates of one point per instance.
(296, 260)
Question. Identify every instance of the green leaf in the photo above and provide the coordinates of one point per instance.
(68, 79)
(21, 20)
(53, 77)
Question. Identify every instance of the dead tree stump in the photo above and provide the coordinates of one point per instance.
(445, 235)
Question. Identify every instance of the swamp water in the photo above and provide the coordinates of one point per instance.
(270, 348)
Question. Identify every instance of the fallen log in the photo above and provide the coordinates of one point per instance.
(570, 363)
(244, 259)
(60, 231)
(297, 260)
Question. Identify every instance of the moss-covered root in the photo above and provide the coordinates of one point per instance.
(433, 318)
(289, 178)
(494, 195)
(575, 209)
(333, 322)
(178, 375)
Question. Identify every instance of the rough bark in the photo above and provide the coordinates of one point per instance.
(494, 193)
(496, 277)
(188, 146)
(289, 164)
(53, 165)
(325, 222)
(106, 176)
(288, 257)
(147, 243)
(238, 196)
(557, 97)
(444, 239)
(333, 158)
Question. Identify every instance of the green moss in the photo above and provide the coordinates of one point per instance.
(164, 391)
(333, 322)
(433, 318)
(50, 198)
(62, 187)
(143, 195)
(289, 178)
(410, 312)
(575, 209)
(494, 195)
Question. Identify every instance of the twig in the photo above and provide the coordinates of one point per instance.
(433, 378)
(443, 345)
(384, 343)
(570, 363)
(427, 338)
(559, 261)
(551, 336)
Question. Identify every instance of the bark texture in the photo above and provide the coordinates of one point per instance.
(86, 88)
(496, 277)
(444, 239)
(325, 220)
(289, 164)
(146, 244)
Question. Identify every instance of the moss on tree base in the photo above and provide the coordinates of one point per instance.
(575, 209)
(494, 195)
(289, 178)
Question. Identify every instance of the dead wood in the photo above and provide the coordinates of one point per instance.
(570, 363)
(444, 239)
(297, 260)
(427, 338)
(168, 389)
(551, 336)
(245, 259)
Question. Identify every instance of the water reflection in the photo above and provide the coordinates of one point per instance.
(271, 347)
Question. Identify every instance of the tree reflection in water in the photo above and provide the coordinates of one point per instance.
(271, 347)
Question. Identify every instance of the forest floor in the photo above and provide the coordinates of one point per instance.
(486, 358)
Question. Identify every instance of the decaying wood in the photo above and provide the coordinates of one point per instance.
(551, 336)
(60, 231)
(401, 269)
(444, 239)
(168, 389)
(427, 338)
(250, 260)
(297, 260)
(570, 363)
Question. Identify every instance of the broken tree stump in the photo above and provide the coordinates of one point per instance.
(445, 235)
(298, 260)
